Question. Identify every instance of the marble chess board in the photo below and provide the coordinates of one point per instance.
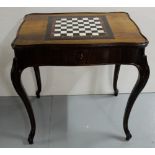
(78, 28)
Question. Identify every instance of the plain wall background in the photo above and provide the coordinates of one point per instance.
(73, 80)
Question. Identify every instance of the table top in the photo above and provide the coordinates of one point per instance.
(79, 28)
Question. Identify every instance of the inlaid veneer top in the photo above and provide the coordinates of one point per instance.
(79, 28)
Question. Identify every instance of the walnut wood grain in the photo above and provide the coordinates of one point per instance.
(33, 30)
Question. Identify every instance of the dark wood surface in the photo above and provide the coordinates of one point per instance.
(33, 50)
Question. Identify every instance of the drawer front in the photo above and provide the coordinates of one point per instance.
(79, 56)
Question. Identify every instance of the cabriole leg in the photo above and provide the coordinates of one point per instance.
(143, 76)
(16, 81)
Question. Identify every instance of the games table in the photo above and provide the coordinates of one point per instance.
(79, 39)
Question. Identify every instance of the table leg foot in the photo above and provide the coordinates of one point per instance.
(30, 138)
(16, 81)
(116, 92)
(38, 78)
(116, 73)
(37, 94)
(128, 136)
(144, 73)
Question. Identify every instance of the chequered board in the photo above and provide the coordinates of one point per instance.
(78, 28)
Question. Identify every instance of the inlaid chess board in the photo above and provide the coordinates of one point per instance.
(78, 27)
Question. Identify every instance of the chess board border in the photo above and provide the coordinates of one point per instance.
(104, 22)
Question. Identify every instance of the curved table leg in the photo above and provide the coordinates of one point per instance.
(38, 78)
(116, 72)
(16, 81)
(144, 73)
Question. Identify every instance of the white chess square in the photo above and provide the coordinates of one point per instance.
(75, 27)
(57, 25)
(92, 24)
(101, 31)
(75, 23)
(63, 19)
(80, 24)
(85, 18)
(96, 18)
(63, 27)
(69, 29)
(91, 20)
(99, 26)
(97, 22)
(75, 31)
(82, 34)
(80, 21)
(81, 29)
(95, 34)
(63, 32)
(93, 29)
(57, 29)
(86, 22)
(69, 21)
(87, 26)
(57, 34)
(70, 34)
(69, 25)
(88, 31)
(58, 21)
(62, 23)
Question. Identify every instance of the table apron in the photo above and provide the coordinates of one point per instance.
(28, 57)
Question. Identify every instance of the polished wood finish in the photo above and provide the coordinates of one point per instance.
(33, 50)
(33, 30)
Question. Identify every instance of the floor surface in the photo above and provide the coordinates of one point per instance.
(85, 121)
